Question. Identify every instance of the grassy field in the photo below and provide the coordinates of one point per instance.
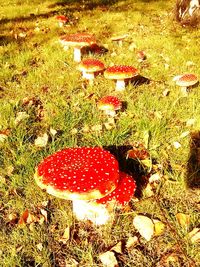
(42, 92)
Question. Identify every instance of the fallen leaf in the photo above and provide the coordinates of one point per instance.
(132, 241)
(159, 227)
(190, 122)
(97, 128)
(108, 259)
(53, 131)
(108, 126)
(155, 178)
(144, 225)
(166, 92)
(65, 236)
(140, 154)
(39, 246)
(71, 263)
(74, 131)
(20, 117)
(184, 134)
(23, 217)
(41, 141)
(3, 137)
(117, 248)
(194, 235)
(177, 145)
(44, 213)
(86, 129)
(148, 191)
(19, 248)
(183, 219)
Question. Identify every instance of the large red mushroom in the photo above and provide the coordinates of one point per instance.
(77, 41)
(121, 74)
(78, 173)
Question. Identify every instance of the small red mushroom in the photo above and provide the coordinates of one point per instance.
(77, 41)
(119, 39)
(102, 210)
(186, 81)
(110, 104)
(123, 193)
(121, 74)
(62, 20)
(90, 67)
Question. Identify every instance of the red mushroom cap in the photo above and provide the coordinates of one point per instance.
(109, 103)
(120, 72)
(91, 65)
(78, 173)
(62, 18)
(78, 39)
(123, 192)
(186, 80)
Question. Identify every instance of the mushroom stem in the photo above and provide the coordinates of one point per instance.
(77, 54)
(88, 75)
(61, 24)
(185, 90)
(120, 85)
(65, 47)
(111, 113)
(89, 210)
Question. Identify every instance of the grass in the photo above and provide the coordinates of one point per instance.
(34, 66)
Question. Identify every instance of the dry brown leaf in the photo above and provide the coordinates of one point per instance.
(44, 213)
(3, 137)
(194, 235)
(190, 122)
(71, 263)
(20, 117)
(117, 248)
(19, 248)
(177, 145)
(23, 217)
(65, 236)
(108, 259)
(132, 241)
(39, 246)
(41, 141)
(144, 225)
(97, 128)
(166, 92)
(183, 219)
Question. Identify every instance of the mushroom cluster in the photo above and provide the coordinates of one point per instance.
(90, 177)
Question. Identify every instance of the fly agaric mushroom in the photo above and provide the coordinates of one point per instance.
(62, 20)
(119, 39)
(185, 81)
(121, 74)
(90, 67)
(100, 211)
(110, 104)
(78, 173)
(77, 41)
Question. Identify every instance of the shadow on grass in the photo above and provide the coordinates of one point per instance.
(193, 164)
(129, 166)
